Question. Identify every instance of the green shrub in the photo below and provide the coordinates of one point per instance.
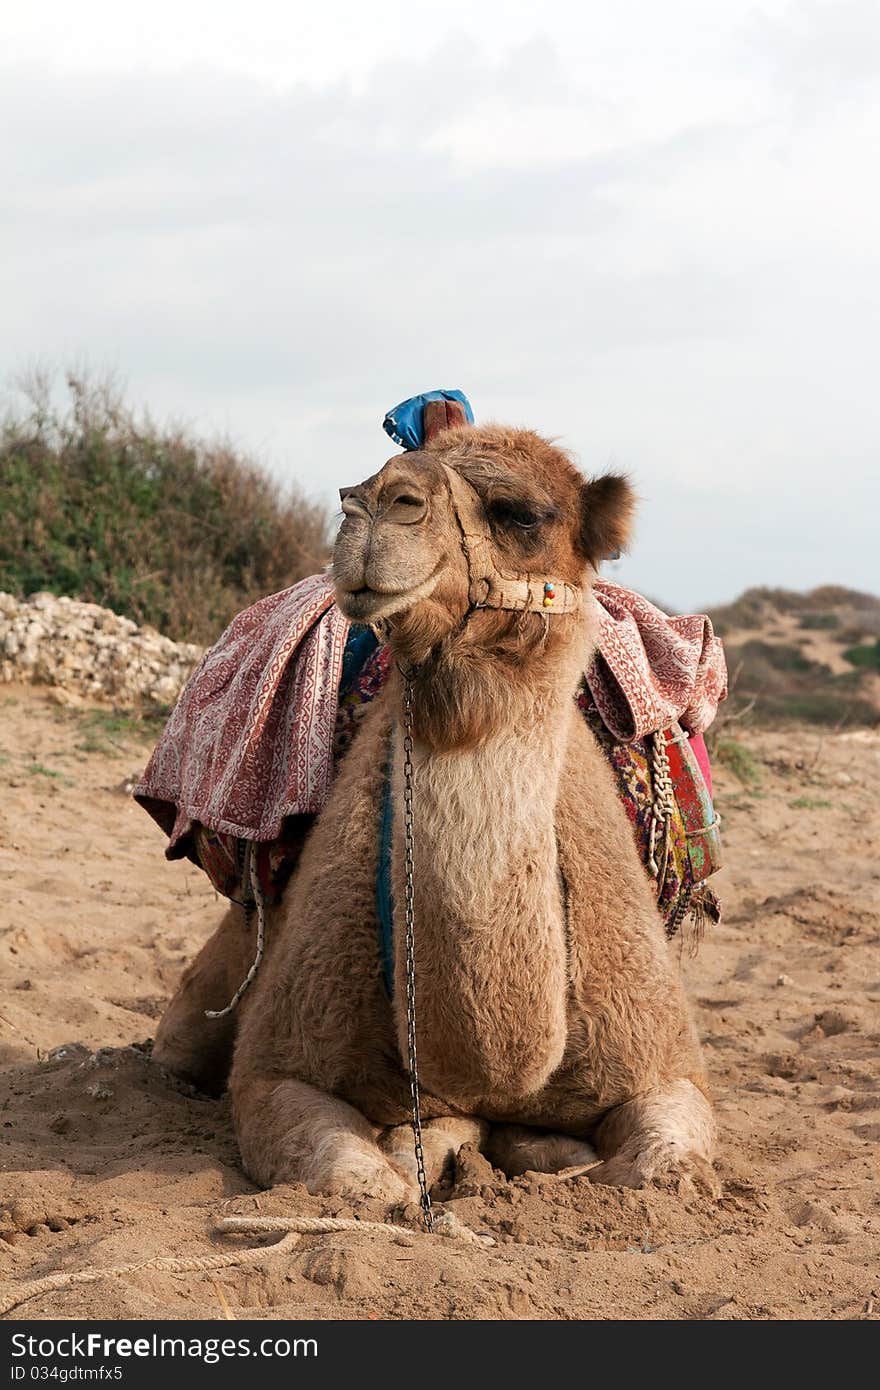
(151, 522)
(819, 707)
(866, 657)
(734, 755)
(779, 656)
(819, 621)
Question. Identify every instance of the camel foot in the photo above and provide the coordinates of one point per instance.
(358, 1172)
(658, 1166)
(441, 1141)
(662, 1138)
(516, 1149)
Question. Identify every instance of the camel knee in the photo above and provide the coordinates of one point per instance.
(289, 1131)
(677, 1114)
(193, 1047)
(666, 1133)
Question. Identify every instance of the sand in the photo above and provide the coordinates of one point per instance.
(106, 1160)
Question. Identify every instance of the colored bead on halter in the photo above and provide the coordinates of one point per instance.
(549, 593)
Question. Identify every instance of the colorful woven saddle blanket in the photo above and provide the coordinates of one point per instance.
(660, 781)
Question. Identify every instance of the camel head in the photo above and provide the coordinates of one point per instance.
(479, 522)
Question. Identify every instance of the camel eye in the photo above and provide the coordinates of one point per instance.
(507, 512)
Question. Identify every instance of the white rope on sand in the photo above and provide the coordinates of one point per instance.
(290, 1228)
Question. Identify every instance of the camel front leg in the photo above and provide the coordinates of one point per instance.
(289, 1131)
(664, 1135)
(188, 1043)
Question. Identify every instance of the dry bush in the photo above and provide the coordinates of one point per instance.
(827, 606)
(152, 522)
(773, 681)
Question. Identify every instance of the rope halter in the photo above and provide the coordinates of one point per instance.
(489, 586)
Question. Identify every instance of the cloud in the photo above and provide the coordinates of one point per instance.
(820, 48)
(678, 284)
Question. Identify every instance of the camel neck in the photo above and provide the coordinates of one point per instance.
(490, 951)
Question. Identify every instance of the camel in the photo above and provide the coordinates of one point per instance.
(552, 1028)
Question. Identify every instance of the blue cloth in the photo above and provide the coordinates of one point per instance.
(360, 643)
(404, 422)
(384, 898)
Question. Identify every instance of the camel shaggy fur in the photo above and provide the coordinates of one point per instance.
(552, 1027)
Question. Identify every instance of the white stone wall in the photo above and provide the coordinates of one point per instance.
(86, 652)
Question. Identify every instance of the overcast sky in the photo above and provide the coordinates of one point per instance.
(652, 231)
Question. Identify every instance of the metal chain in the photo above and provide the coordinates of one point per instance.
(409, 919)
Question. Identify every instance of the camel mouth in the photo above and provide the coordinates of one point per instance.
(366, 603)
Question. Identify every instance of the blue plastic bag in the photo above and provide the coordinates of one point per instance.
(404, 422)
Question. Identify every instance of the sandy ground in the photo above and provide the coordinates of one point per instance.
(105, 1160)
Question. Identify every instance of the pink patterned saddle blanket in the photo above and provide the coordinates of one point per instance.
(250, 741)
(250, 750)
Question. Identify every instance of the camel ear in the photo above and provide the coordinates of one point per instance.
(607, 506)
